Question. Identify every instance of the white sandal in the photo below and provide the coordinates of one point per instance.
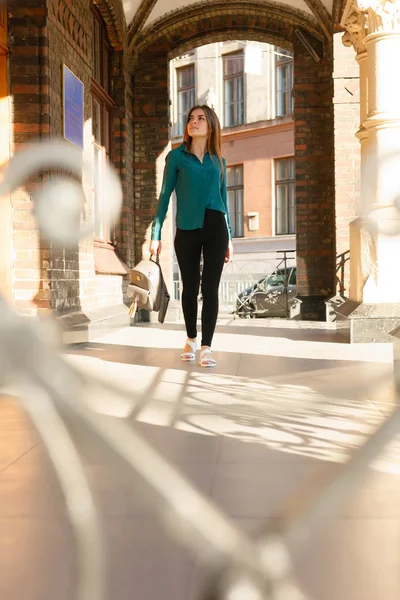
(205, 360)
(190, 356)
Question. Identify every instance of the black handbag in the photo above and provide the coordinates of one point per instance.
(148, 289)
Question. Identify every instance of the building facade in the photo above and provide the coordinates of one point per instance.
(249, 85)
(120, 52)
(50, 50)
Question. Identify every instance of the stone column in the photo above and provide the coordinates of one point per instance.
(383, 126)
(362, 133)
(355, 36)
(373, 27)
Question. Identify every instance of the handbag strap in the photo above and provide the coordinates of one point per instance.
(157, 258)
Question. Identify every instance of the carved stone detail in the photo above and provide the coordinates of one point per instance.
(355, 23)
(363, 17)
(383, 15)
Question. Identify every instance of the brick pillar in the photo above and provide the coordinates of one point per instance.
(5, 129)
(315, 192)
(151, 145)
(29, 81)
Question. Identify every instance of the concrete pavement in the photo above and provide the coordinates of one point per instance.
(285, 405)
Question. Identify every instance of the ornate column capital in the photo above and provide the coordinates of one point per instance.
(354, 20)
(365, 17)
(383, 15)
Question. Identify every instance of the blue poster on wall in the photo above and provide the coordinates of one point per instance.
(73, 108)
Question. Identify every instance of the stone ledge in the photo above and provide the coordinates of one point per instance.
(106, 262)
(332, 306)
(80, 327)
(395, 335)
(368, 323)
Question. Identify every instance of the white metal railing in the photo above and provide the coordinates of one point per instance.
(51, 390)
(228, 290)
(243, 273)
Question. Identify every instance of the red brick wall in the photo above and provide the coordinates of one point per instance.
(69, 36)
(347, 153)
(29, 87)
(42, 38)
(5, 204)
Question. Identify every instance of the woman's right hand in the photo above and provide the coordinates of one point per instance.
(155, 247)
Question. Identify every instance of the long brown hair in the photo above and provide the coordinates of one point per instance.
(214, 133)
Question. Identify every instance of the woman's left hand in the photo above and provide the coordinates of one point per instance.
(229, 252)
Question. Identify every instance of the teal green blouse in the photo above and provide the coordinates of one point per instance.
(198, 186)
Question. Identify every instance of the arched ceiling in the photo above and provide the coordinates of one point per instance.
(144, 16)
(164, 6)
(159, 8)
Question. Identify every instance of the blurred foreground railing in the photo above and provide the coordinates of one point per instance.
(240, 568)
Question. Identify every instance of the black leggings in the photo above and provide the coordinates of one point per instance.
(213, 239)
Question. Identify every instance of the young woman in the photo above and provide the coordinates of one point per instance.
(197, 171)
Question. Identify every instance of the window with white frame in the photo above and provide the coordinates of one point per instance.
(234, 105)
(285, 196)
(235, 195)
(102, 104)
(186, 92)
(284, 82)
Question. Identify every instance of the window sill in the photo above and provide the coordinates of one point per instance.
(100, 243)
(106, 262)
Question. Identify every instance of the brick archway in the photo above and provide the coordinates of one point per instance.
(203, 22)
(182, 31)
(114, 18)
